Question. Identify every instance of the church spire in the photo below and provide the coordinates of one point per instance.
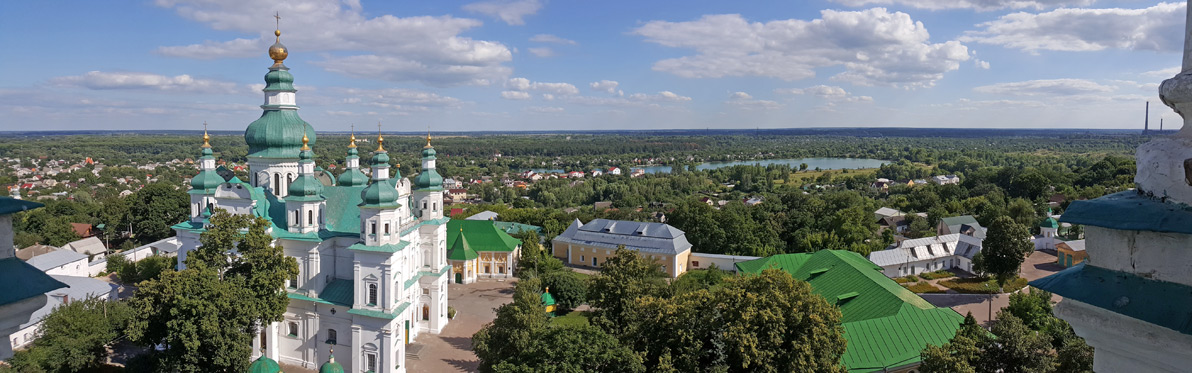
(352, 175)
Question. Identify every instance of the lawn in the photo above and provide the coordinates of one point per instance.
(937, 275)
(573, 318)
(982, 285)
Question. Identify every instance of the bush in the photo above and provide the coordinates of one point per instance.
(569, 290)
(937, 275)
(903, 280)
(450, 312)
(982, 285)
(923, 288)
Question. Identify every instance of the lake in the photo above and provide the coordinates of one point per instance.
(812, 163)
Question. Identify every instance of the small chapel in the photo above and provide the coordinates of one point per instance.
(371, 249)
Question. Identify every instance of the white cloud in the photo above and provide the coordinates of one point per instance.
(831, 93)
(515, 95)
(423, 48)
(511, 12)
(874, 47)
(1164, 73)
(523, 84)
(146, 81)
(983, 65)
(545, 109)
(1045, 87)
(982, 5)
(742, 100)
(609, 86)
(632, 100)
(548, 38)
(1157, 28)
(542, 51)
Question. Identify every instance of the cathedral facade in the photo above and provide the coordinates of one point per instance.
(371, 251)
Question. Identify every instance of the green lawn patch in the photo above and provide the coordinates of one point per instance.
(923, 287)
(903, 280)
(937, 275)
(573, 318)
(982, 285)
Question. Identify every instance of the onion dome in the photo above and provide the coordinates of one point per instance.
(264, 365)
(207, 179)
(1049, 223)
(461, 250)
(352, 175)
(380, 193)
(428, 179)
(331, 366)
(305, 186)
(278, 132)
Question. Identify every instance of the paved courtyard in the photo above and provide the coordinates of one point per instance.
(451, 350)
(1040, 264)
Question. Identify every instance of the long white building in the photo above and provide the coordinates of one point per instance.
(912, 257)
(371, 251)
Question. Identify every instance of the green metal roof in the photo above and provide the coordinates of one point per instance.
(338, 292)
(380, 194)
(515, 228)
(23, 281)
(381, 314)
(461, 250)
(958, 220)
(206, 181)
(1049, 223)
(428, 180)
(277, 134)
(388, 248)
(886, 325)
(9, 205)
(547, 299)
(483, 235)
(352, 177)
(1162, 303)
(264, 364)
(1130, 210)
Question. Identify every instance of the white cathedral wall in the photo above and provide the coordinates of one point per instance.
(1125, 344)
(1164, 255)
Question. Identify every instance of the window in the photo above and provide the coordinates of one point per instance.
(310, 217)
(277, 184)
(294, 281)
(501, 269)
(372, 228)
(386, 229)
(297, 220)
(293, 329)
(583, 258)
(695, 263)
(593, 261)
(370, 361)
(372, 294)
(487, 270)
(331, 336)
(425, 291)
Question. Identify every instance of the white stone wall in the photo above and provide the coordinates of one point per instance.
(724, 262)
(1158, 256)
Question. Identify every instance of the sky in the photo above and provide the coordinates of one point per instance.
(508, 65)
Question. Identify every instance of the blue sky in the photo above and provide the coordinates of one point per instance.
(565, 65)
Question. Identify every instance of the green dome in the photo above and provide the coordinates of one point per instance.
(428, 179)
(277, 134)
(1049, 223)
(381, 158)
(206, 180)
(279, 80)
(331, 366)
(351, 177)
(264, 365)
(428, 152)
(305, 186)
(381, 193)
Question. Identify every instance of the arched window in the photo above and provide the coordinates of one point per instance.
(277, 184)
(310, 217)
(331, 336)
(293, 326)
(297, 220)
(372, 294)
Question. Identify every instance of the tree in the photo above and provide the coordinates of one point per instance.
(1018, 349)
(207, 314)
(625, 277)
(960, 355)
(514, 328)
(555, 350)
(767, 322)
(1006, 243)
(534, 260)
(74, 336)
(154, 208)
(569, 290)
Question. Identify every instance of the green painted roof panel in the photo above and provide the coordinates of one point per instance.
(483, 235)
(1130, 210)
(23, 281)
(387, 248)
(9, 205)
(1162, 303)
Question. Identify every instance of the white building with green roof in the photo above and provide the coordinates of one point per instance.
(371, 249)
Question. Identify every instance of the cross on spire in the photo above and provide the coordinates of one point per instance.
(353, 139)
(206, 138)
(380, 139)
(277, 18)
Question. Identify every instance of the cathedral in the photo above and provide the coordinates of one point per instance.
(371, 251)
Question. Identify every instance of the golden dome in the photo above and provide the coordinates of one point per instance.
(278, 51)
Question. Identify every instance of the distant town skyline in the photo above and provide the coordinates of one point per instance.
(543, 65)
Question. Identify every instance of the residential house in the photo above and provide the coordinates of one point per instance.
(84, 230)
(1070, 253)
(614, 171)
(965, 224)
(945, 179)
(457, 195)
(35, 250)
(928, 254)
(753, 201)
(898, 223)
(484, 215)
(90, 246)
(78, 288)
(451, 184)
(886, 212)
(596, 173)
(592, 243)
(637, 172)
(602, 205)
(575, 174)
(886, 326)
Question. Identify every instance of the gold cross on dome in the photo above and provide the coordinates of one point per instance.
(277, 18)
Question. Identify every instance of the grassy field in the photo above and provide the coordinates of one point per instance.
(577, 318)
(812, 174)
(923, 287)
(978, 285)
